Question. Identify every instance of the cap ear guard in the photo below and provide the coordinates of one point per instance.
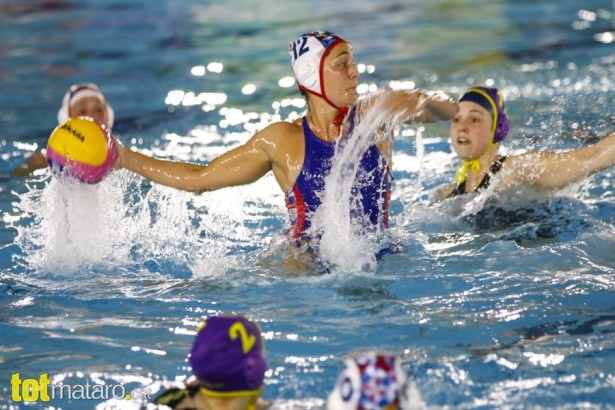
(347, 390)
(307, 74)
(503, 125)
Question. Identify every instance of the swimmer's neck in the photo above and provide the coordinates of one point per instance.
(487, 159)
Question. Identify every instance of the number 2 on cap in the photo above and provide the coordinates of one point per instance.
(247, 340)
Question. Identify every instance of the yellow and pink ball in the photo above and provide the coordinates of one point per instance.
(82, 148)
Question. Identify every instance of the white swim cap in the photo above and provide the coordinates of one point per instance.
(79, 91)
(371, 380)
(306, 59)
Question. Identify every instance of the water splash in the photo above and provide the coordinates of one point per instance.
(345, 245)
(76, 226)
(72, 225)
(124, 225)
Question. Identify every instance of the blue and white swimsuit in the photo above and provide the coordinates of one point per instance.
(372, 184)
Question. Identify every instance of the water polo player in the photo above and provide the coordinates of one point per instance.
(476, 133)
(299, 153)
(83, 99)
(227, 359)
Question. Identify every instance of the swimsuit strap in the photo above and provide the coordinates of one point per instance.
(461, 187)
(494, 169)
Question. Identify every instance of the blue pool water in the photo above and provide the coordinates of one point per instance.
(105, 284)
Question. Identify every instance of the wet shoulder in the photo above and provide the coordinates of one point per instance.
(284, 144)
(517, 169)
(281, 131)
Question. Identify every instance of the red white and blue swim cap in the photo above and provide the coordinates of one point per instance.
(371, 380)
(78, 91)
(492, 100)
(307, 55)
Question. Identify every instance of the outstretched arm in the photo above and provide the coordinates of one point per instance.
(239, 166)
(417, 105)
(558, 169)
(31, 164)
(437, 106)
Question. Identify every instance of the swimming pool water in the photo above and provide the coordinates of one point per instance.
(105, 284)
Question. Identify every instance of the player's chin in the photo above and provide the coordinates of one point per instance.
(350, 96)
(462, 151)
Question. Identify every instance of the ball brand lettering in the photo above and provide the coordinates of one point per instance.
(73, 131)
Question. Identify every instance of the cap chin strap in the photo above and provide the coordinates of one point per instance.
(339, 119)
(473, 165)
(342, 111)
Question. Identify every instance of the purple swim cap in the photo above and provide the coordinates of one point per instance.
(492, 100)
(227, 356)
